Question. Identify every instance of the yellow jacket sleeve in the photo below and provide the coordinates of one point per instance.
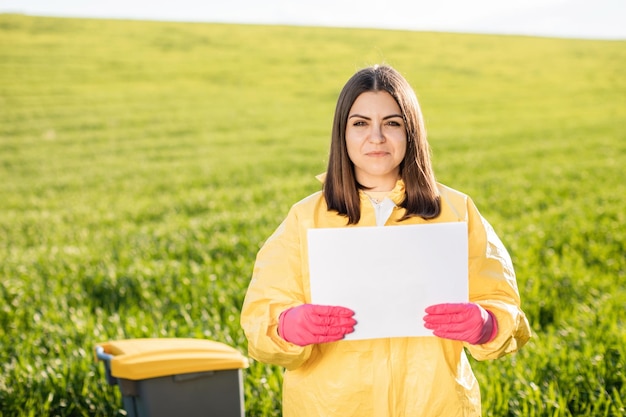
(276, 285)
(492, 284)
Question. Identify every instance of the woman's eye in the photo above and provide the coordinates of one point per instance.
(393, 123)
(359, 123)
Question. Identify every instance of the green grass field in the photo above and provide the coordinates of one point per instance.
(142, 165)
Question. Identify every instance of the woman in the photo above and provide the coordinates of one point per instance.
(379, 173)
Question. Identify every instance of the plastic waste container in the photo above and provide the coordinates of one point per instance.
(168, 377)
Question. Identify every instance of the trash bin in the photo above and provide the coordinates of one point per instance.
(168, 377)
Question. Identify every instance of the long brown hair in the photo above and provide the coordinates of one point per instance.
(341, 189)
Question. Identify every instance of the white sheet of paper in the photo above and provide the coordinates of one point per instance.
(389, 275)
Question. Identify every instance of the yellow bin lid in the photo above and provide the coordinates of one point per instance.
(150, 358)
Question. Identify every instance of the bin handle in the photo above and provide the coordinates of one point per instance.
(106, 358)
(102, 355)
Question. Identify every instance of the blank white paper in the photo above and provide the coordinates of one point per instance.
(389, 275)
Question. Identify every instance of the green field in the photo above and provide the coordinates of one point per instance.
(142, 165)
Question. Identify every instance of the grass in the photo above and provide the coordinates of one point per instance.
(142, 165)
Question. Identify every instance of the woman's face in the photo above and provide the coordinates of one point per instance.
(376, 140)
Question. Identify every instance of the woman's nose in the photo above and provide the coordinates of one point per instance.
(377, 135)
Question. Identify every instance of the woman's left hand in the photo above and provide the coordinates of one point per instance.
(467, 322)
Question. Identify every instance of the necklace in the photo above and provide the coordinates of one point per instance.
(377, 196)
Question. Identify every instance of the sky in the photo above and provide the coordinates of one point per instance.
(586, 19)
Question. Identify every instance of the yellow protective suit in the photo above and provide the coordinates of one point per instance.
(393, 377)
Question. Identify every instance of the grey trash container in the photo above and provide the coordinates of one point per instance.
(167, 377)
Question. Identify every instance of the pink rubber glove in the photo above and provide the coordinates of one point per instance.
(467, 322)
(308, 324)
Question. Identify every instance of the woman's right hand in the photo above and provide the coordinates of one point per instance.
(309, 324)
